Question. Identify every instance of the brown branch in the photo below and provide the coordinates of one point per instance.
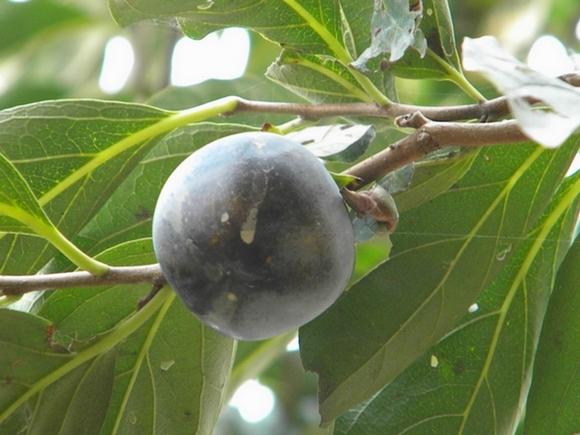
(485, 111)
(20, 284)
(431, 136)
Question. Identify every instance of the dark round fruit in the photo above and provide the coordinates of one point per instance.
(253, 235)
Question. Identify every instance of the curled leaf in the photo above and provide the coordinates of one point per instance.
(394, 28)
(519, 83)
(343, 143)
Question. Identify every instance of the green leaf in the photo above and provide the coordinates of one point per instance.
(73, 154)
(331, 31)
(463, 235)
(168, 366)
(477, 378)
(342, 180)
(22, 22)
(319, 80)
(76, 403)
(437, 25)
(18, 203)
(554, 397)
(432, 178)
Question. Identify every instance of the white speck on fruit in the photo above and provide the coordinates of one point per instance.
(248, 230)
(231, 297)
(259, 144)
(166, 365)
(434, 361)
(225, 217)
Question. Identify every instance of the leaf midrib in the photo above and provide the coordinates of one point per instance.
(509, 186)
(546, 228)
(139, 361)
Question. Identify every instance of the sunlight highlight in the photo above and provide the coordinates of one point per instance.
(220, 55)
(117, 65)
(293, 346)
(253, 401)
(549, 56)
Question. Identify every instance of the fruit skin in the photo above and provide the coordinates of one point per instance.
(253, 235)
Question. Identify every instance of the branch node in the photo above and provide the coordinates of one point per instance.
(412, 120)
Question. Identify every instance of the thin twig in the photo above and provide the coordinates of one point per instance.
(431, 136)
(485, 111)
(20, 284)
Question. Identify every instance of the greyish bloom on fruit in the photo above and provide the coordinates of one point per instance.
(253, 235)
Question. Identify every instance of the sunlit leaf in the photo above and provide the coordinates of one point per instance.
(477, 378)
(555, 393)
(405, 305)
(517, 82)
(73, 154)
(17, 202)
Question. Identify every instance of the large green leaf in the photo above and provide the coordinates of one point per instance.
(167, 369)
(73, 154)
(406, 304)
(477, 378)
(329, 35)
(68, 405)
(554, 398)
(20, 22)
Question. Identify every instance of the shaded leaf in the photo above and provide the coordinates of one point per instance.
(20, 22)
(338, 142)
(433, 177)
(555, 392)
(437, 25)
(26, 355)
(398, 180)
(477, 378)
(517, 81)
(165, 371)
(76, 403)
(394, 29)
(463, 235)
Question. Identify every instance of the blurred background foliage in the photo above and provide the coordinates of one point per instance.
(53, 49)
